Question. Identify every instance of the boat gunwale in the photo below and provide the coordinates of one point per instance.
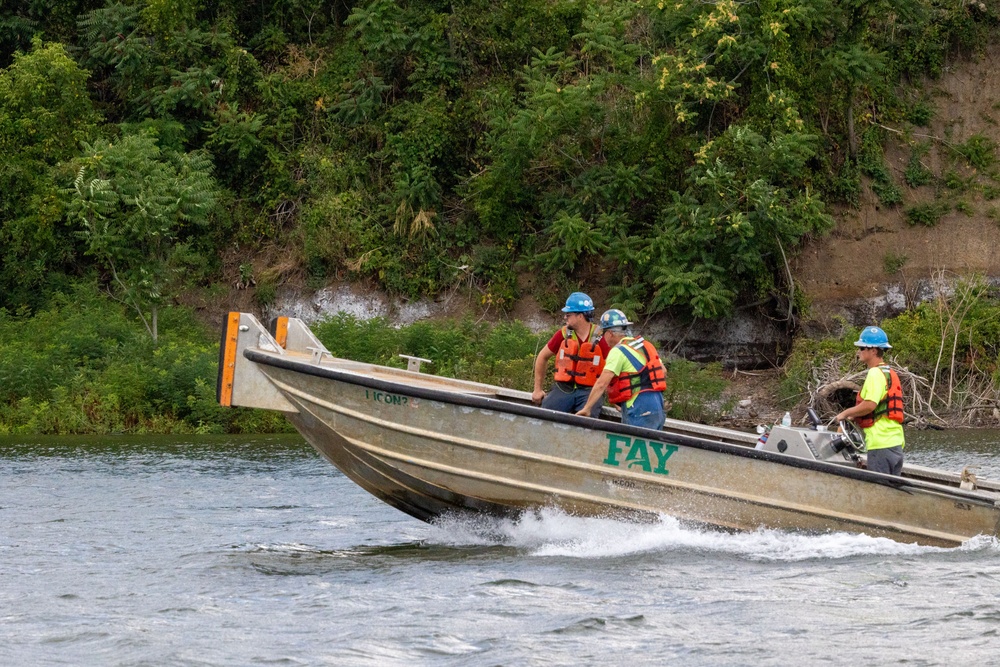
(499, 405)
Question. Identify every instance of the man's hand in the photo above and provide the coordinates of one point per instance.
(541, 362)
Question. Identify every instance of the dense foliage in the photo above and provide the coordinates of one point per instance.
(685, 148)
(82, 366)
(675, 152)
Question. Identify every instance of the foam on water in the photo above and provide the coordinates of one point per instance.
(551, 532)
(987, 543)
(284, 547)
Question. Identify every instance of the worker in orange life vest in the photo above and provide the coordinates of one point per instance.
(633, 375)
(879, 407)
(579, 353)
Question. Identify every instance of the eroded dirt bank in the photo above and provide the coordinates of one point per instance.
(875, 255)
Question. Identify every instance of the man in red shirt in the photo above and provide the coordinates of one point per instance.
(579, 352)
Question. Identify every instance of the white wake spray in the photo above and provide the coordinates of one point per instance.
(551, 532)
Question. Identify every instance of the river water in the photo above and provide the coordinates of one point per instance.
(254, 551)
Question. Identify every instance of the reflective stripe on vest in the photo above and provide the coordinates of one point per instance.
(891, 405)
(579, 363)
(649, 377)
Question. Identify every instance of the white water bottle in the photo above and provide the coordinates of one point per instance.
(762, 440)
(787, 419)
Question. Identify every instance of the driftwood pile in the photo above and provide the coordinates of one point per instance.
(830, 391)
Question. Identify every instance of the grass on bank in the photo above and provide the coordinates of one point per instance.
(499, 354)
(84, 365)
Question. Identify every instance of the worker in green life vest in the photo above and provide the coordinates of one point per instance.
(633, 375)
(879, 407)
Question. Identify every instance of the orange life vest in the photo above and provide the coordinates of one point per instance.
(891, 405)
(578, 362)
(650, 377)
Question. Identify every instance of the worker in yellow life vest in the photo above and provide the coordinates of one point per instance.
(879, 406)
(633, 375)
(579, 352)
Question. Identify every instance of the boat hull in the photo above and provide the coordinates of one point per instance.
(431, 452)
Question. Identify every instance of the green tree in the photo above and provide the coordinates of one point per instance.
(731, 229)
(44, 115)
(136, 205)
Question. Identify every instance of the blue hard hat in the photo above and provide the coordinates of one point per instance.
(614, 318)
(873, 337)
(578, 302)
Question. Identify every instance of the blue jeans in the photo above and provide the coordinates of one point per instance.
(647, 411)
(570, 401)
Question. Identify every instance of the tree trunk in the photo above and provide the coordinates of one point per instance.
(852, 139)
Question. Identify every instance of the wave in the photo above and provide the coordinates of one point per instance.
(553, 533)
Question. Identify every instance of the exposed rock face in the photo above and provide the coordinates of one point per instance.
(747, 340)
(355, 300)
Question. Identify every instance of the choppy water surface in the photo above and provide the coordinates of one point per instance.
(246, 551)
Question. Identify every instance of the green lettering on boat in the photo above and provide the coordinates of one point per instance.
(637, 455)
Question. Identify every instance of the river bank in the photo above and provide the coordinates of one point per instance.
(86, 365)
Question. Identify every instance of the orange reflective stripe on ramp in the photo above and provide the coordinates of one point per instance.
(281, 331)
(228, 369)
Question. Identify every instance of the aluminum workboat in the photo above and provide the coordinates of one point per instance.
(433, 446)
